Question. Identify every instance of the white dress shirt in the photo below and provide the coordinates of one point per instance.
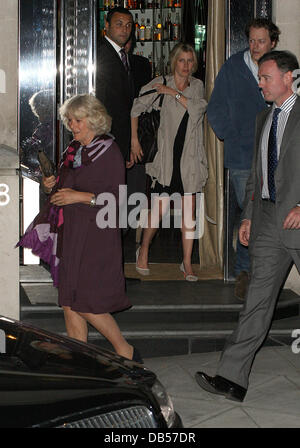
(117, 48)
(286, 108)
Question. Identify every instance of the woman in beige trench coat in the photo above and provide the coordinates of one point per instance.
(180, 165)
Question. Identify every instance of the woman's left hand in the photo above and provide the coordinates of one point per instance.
(64, 196)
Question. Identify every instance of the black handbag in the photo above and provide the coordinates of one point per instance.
(148, 124)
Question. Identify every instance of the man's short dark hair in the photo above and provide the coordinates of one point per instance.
(268, 25)
(285, 60)
(118, 9)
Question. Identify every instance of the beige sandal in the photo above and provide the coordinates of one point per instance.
(142, 271)
(188, 277)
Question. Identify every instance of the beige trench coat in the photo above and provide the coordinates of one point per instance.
(193, 163)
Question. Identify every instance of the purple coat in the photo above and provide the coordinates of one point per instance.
(91, 278)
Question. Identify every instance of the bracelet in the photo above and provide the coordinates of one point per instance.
(93, 201)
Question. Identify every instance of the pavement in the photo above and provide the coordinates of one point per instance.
(272, 400)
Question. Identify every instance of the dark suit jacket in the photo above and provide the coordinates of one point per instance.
(287, 179)
(115, 90)
(141, 72)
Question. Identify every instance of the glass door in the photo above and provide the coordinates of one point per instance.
(37, 103)
(37, 83)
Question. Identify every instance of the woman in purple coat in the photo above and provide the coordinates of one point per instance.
(90, 280)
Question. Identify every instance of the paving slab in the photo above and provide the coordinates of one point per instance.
(272, 400)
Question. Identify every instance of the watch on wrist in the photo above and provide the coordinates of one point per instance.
(177, 96)
(93, 201)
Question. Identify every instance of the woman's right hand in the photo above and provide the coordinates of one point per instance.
(136, 153)
(48, 183)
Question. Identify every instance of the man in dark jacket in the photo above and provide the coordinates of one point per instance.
(119, 78)
(114, 84)
(232, 109)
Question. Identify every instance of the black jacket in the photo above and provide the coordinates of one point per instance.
(141, 72)
(114, 88)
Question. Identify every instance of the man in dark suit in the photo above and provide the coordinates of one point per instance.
(270, 225)
(114, 84)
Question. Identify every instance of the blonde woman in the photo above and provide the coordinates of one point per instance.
(180, 164)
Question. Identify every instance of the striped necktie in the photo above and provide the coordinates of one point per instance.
(124, 59)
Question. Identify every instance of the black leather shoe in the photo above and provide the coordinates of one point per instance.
(136, 357)
(221, 386)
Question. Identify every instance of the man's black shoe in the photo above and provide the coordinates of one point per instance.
(221, 386)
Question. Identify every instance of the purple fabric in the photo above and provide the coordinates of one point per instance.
(41, 237)
(43, 244)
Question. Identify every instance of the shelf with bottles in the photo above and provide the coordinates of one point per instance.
(140, 4)
(157, 31)
(160, 27)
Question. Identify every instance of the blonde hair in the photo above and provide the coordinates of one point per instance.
(89, 107)
(179, 48)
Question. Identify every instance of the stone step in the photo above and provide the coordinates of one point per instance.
(34, 274)
(165, 338)
(208, 295)
(160, 327)
(158, 302)
(164, 328)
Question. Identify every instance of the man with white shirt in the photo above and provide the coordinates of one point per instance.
(114, 84)
(270, 222)
(232, 108)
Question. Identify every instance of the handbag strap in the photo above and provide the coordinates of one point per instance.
(160, 95)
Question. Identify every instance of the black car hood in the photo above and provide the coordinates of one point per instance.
(33, 352)
(43, 375)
